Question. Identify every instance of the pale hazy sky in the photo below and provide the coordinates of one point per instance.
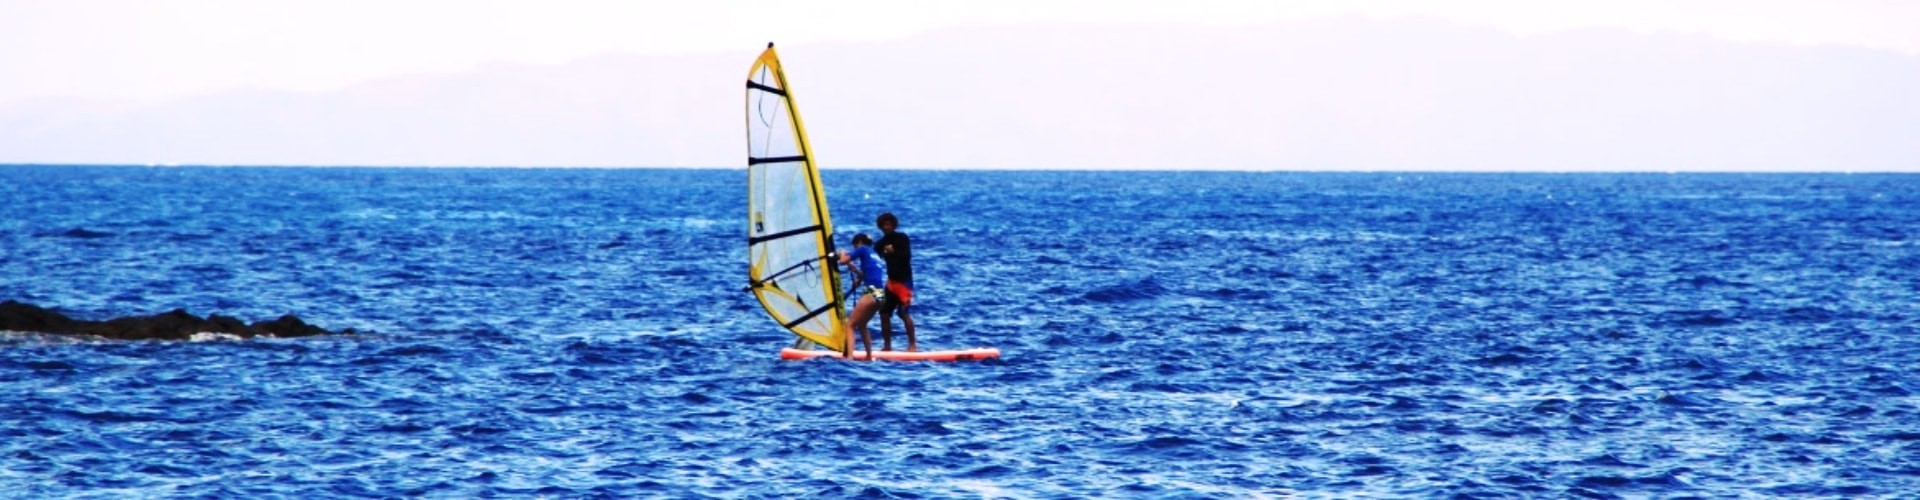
(1342, 85)
(144, 50)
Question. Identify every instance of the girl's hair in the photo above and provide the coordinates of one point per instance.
(862, 239)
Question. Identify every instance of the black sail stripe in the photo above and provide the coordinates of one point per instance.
(784, 272)
(815, 312)
(774, 159)
(783, 234)
(759, 86)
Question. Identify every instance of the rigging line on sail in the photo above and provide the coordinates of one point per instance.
(760, 106)
(760, 110)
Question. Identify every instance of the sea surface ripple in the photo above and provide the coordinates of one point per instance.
(580, 332)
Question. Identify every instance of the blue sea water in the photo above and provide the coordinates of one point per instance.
(578, 332)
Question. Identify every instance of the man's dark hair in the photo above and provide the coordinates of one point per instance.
(885, 219)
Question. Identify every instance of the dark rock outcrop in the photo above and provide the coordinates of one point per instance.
(177, 324)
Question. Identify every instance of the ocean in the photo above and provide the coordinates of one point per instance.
(584, 333)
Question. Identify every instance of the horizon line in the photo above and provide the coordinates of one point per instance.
(970, 169)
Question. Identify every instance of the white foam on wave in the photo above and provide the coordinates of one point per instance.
(1756, 399)
(1314, 235)
(986, 489)
(213, 337)
(1226, 399)
(19, 338)
(487, 215)
(371, 213)
(701, 222)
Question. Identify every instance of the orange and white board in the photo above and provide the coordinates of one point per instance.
(975, 354)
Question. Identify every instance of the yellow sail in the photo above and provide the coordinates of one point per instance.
(790, 253)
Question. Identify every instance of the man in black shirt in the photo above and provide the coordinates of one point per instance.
(897, 250)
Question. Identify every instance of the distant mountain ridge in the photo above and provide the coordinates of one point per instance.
(1351, 93)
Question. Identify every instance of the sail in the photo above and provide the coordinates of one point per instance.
(790, 258)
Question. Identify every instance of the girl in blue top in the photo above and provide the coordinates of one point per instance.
(869, 286)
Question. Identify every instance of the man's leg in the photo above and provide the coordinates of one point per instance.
(886, 324)
(906, 317)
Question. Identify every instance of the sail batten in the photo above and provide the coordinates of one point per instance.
(757, 85)
(789, 230)
(777, 159)
(751, 240)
